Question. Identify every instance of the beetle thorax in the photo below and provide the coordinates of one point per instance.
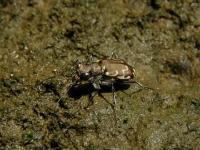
(89, 70)
(84, 69)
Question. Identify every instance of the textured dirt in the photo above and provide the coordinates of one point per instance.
(41, 39)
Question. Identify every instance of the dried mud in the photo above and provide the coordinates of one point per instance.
(40, 40)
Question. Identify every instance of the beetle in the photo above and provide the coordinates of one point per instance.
(104, 72)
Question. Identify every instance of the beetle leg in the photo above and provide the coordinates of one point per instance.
(113, 94)
(89, 59)
(90, 99)
(112, 106)
(144, 87)
(99, 94)
(113, 55)
(96, 82)
(138, 83)
(96, 85)
(110, 83)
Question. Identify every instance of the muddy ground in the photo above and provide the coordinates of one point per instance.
(41, 39)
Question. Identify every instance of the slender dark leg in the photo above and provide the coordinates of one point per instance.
(113, 94)
(111, 83)
(112, 106)
(138, 83)
(90, 59)
(90, 99)
(126, 93)
(105, 100)
(113, 56)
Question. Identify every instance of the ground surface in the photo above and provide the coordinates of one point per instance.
(40, 40)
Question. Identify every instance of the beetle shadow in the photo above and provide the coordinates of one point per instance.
(77, 91)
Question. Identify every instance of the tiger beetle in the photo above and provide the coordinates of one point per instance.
(104, 72)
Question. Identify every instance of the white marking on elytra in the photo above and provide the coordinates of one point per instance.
(124, 77)
(125, 70)
(128, 77)
(107, 73)
(114, 75)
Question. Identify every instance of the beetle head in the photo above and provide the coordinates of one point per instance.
(83, 70)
